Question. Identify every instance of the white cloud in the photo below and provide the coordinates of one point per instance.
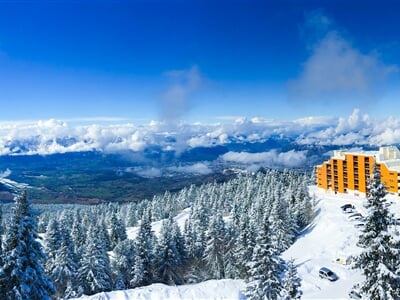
(176, 99)
(271, 158)
(337, 70)
(6, 173)
(146, 172)
(197, 168)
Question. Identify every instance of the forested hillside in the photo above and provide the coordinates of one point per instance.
(230, 226)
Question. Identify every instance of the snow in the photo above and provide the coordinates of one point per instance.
(331, 235)
(226, 289)
(156, 226)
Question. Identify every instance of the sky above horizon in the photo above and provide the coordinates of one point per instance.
(200, 60)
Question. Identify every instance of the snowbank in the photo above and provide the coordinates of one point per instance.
(226, 289)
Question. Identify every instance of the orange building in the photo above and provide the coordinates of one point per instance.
(348, 171)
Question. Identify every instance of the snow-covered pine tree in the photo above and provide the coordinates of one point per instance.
(142, 272)
(215, 249)
(167, 257)
(103, 234)
(303, 208)
(22, 276)
(282, 234)
(180, 242)
(94, 273)
(78, 234)
(64, 272)
(51, 244)
(131, 217)
(378, 260)
(123, 262)
(199, 217)
(291, 282)
(231, 234)
(188, 234)
(265, 267)
(244, 246)
(117, 230)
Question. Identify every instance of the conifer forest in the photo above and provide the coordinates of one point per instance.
(236, 229)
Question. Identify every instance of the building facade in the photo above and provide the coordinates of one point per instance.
(349, 172)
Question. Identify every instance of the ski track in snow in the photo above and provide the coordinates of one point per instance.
(331, 235)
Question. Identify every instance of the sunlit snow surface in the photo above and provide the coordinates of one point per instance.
(226, 289)
(329, 237)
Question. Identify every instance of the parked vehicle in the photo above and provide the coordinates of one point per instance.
(354, 294)
(347, 206)
(359, 224)
(356, 217)
(349, 210)
(327, 274)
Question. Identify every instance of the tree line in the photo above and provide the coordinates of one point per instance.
(236, 229)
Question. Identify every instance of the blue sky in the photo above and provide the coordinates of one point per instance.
(197, 60)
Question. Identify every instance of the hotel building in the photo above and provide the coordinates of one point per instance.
(349, 172)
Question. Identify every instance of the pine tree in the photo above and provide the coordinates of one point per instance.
(281, 233)
(124, 260)
(103, 234)
(78, 235)
(52, 244)
(291, 283)
(117, 231)
(189, 238)
(65, 268)
(142, 272)
(378, 261)
(95, 273)
(131, 218)
(245, 245)
(303, 209)
(215, 248)
(230, 259)
(167, 257)
(179, 242)
(22, 275)
(265, 268)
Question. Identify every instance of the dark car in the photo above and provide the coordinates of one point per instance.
(327, 274)
(347, 207)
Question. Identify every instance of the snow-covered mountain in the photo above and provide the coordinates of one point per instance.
(328, 242)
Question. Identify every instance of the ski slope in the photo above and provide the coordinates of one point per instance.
(330, 236)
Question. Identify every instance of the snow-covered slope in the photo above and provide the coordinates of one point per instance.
(226, 289)
(332, 235)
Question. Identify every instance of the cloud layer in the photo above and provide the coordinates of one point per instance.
(270, 159)
(53, 136)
